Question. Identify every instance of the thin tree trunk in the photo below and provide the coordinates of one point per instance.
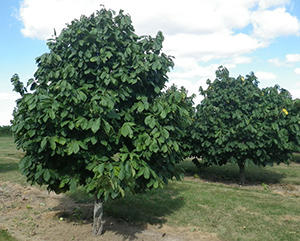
(98, 215)
(242, 173)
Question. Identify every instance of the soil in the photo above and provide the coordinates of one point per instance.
(32, 214)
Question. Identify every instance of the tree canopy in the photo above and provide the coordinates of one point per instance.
(240, 123)
(95, 115)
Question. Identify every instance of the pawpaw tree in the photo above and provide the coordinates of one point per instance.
(94, 115)
(237, 122)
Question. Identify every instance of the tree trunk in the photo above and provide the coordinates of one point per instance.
(242, 173)
(98, 214)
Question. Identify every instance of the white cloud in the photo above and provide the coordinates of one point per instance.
(206, 47)
(297, 70)
(40, 17)
(196, 32)
(7, 104)
(241, 60)
(265, 75)
(269, 24)
(276, 62)
(208, 29)
(291, 58)
(271, 3)
(295, 92)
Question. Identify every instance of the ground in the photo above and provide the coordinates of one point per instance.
(29, 213)
(207, 205)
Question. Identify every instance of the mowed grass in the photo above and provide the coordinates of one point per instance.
(208, 200)
(9, 159)
(276, 174)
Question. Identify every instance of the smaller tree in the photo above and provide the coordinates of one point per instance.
(240, 123)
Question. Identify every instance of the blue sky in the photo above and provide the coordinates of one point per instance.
(262, 36)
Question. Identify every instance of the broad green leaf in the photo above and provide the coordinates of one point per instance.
(46, 175)
(101, 168)
(126, 130)
(146, 173)
(94, 59)
(44, 142)
(96, 125)
(73, 147)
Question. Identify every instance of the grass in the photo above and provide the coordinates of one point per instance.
(277, 174)
(9, 158)
(5, 236)
(206, 201)
(233, 213)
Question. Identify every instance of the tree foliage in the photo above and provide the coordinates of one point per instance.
(238, 122)
(95, 114)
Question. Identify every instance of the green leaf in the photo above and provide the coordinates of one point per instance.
(94, 59)
(164, 148)
(176, 147)
(73, 147)
(31, 133)
(61, 140)
(96, 125)
(93, 140)
(44, 142)
(146, 173)
(51, 114)
(46, 175)
(150, 121)
(52, 143)
(64, 114)
(156, 89)
(71, 125)
(126, 130)
(165, 133)
(140, 107)
(107, 126)
(121, 173)
(73, 184)
(163, 114)
(100, 168)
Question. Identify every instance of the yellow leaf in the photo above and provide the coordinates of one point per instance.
(285, 111)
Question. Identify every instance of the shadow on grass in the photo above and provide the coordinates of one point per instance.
(8, 167)
(126, 217)
(229, 173)
(296, 157)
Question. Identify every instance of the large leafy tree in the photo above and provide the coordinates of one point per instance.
(96, 116)
(240, 123)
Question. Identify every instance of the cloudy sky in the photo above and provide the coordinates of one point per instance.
(262, 36)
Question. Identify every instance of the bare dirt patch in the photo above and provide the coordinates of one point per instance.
(29, 213)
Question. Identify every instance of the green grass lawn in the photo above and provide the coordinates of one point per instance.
(9, 158)
(277, 174)
(208, 200)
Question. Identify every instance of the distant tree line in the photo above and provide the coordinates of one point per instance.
(5, 131)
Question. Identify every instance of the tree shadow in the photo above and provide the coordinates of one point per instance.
(229, 174)
(126, 217)
(296, 157)
(8, 167)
